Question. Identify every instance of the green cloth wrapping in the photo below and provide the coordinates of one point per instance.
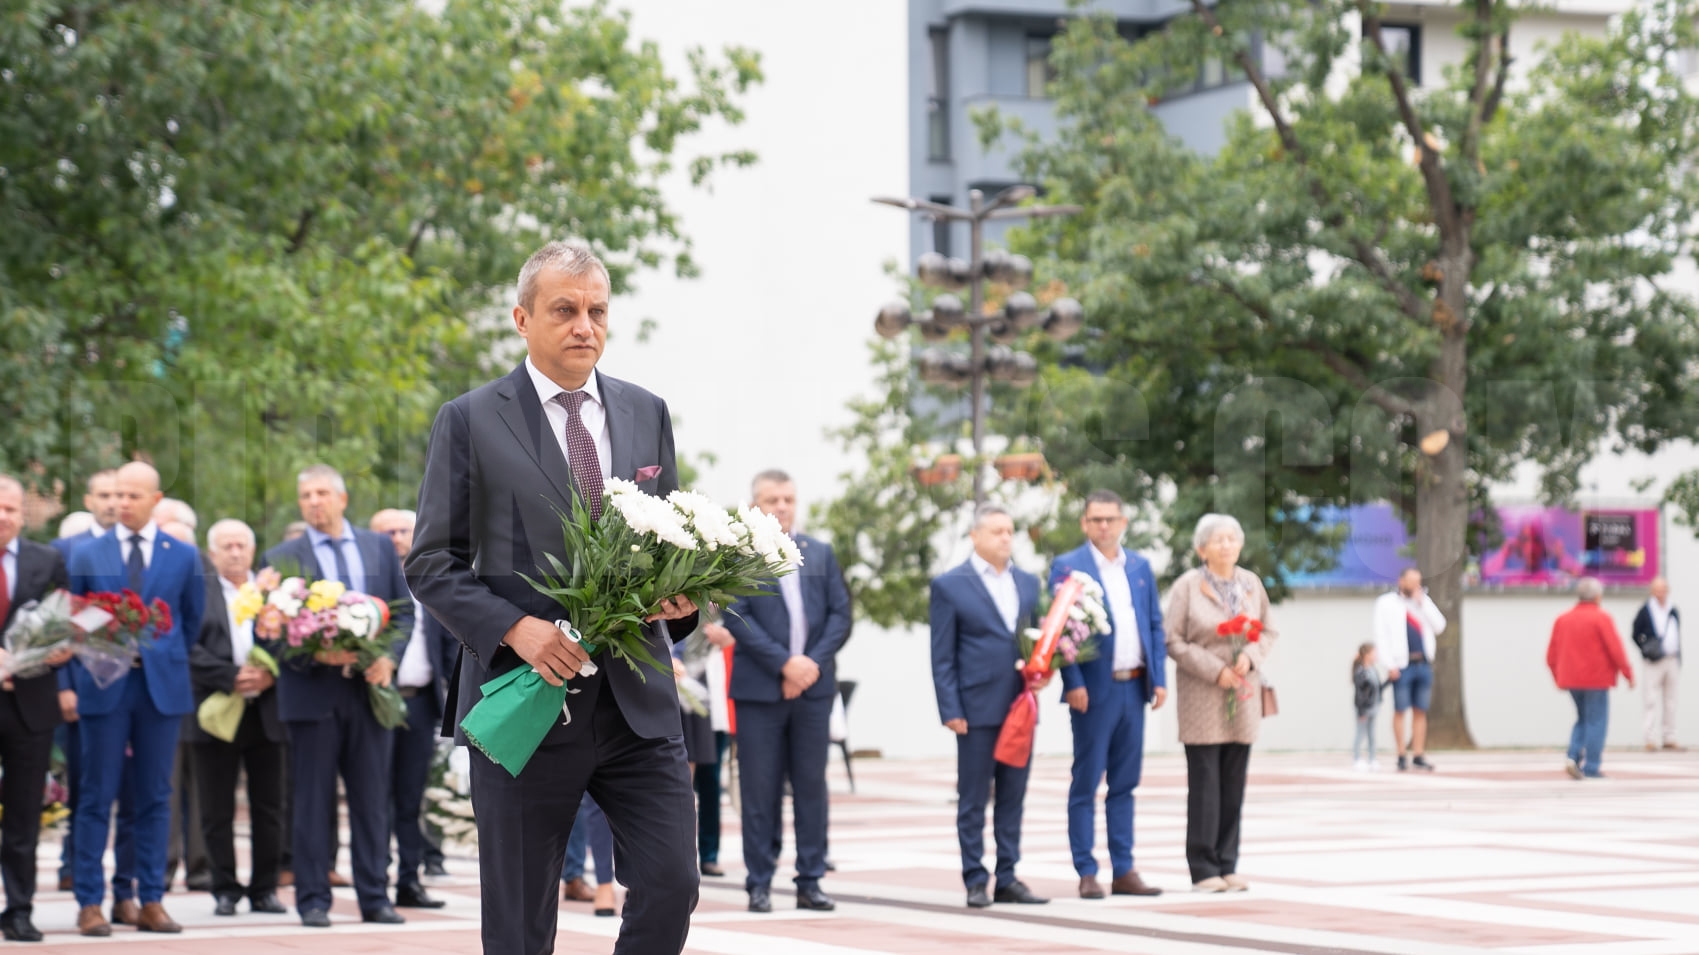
(509, 723)
(220, 714)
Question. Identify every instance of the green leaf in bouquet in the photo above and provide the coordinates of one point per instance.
(388, 706)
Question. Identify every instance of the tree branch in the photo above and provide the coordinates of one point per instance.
(418, 234)
(1439, 187)
(1489, 109)
(1344, 368)
(299, 237)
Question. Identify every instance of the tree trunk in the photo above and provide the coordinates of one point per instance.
(1442, 508)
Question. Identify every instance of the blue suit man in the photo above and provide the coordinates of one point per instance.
(143, 709)
(326, 707)
(1108, 695)
(978, 609)
(784, 680)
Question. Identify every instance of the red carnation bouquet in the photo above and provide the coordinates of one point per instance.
(108, 652)
(1241, 631)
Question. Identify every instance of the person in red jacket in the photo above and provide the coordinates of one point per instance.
(1585, 656)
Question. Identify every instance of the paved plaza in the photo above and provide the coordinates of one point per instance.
(1498, 851)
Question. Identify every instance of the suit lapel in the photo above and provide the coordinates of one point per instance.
(622, 427)
(1088, 565)
(977, 584)
(371, 557)
(523, 414)
(163, 554)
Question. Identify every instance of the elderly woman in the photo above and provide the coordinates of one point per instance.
(1219, 695)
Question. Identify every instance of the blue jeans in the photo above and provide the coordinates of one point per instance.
(1414, 687)
(1592, 719)
(1363, 745)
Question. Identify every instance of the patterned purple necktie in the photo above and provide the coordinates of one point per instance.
(581, 452)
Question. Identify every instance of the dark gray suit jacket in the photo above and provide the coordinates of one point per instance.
(494, 488)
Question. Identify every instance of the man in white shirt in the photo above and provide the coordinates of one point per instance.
(1407, 625)
(1657, 632)
(417, 679)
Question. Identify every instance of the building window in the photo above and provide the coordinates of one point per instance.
(1404, 47)
(941, 227)
(938, 97)
(1039, 73)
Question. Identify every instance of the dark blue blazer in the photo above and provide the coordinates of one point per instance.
(762, 626)
(974, 657)
(302, 685)
(174, 576)
(68, 545)
(1095, 675)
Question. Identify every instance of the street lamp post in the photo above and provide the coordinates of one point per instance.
(997, 361)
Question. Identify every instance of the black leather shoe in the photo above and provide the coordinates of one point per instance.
(713, 869)
(415, 897)
(383, 915)
(316, 918)
(225, 905)
(266, 904)
(831, 866)
(814, 900)
(760, 900)
(435, 870)
(18, 928)
(1018, 892)
(977, 899)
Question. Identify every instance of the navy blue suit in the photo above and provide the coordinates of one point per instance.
(776, 736)
(142, 710)
(1109, 735)
(332, 729)
(974, 660)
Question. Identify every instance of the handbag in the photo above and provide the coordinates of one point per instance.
(1270, 702)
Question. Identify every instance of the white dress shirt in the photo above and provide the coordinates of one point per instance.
(1667, 626)
(241, 634)
(127, 538)
(9, 561)
(1004, 593)
(415, 668)
(593, 413)
(1118, 593)
(790, 588)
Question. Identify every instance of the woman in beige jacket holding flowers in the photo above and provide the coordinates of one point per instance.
(1216, 624)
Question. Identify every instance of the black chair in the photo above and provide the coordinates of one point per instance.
(846, 689)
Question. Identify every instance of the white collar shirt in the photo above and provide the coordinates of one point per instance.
(415, 667)
(146, 537)
(593, 413)
(241, 634)
(1667, 625)
(1118, 593)
(1001, 584)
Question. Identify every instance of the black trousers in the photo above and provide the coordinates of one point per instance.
(185, 846)
(415, 746)
(216, 767)
(642, 785)
(25, 756)
(707, 781)
(1215, 799)
(350, 743)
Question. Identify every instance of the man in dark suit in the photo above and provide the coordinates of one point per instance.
(1108, 695)
(218, 663)
(504, 461)
(29, 712)
(324, 702)
(978, 609)
(784, 680)
(143, 709)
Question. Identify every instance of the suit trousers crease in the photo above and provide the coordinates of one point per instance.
(25, 757)
(351, 744)
(981, 779)
(1661, 682)
(217, 767)
(186, 841)
(1215, 801)
(134, 723)
(415, 747)
(1108, 743)
(643, 787)
(775, 739)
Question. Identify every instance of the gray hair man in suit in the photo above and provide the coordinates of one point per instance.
(505, 459)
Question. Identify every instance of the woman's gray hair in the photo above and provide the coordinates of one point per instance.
(984, 512)
(1211, 524)
(1589, 590)
(569, 258)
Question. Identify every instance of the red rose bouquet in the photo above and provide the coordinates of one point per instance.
(1240, 632)
(108, 652)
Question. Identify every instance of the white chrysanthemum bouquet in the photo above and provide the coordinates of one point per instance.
(617, 569)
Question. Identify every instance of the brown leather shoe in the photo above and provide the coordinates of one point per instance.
(125, 912)
(66, 883)
(90, 922)
(1131, 884)
(338, 880)
(576, 891)
(154, 919)
(1089, 887)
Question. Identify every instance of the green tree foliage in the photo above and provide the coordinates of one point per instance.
(244, 236)
(1374, 291)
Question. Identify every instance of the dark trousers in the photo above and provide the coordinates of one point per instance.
(415, 747)
(187, 843)
(25, 756)
(217, 765)
(350, 742)
(71, 744)
(151, 737)
(708, 801)
(978, 775)
(1215, 799)
(643, 785)
(599, 837)
(772, 739)
(1108, 742)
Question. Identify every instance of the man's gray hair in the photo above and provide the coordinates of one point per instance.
(322, 472)
(985, 512)
(229, 525)
(567, 257)
(75, 523)
(769, 476)
(1589, 590)
(1211, 524)
(174, 509)
(10, 483)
